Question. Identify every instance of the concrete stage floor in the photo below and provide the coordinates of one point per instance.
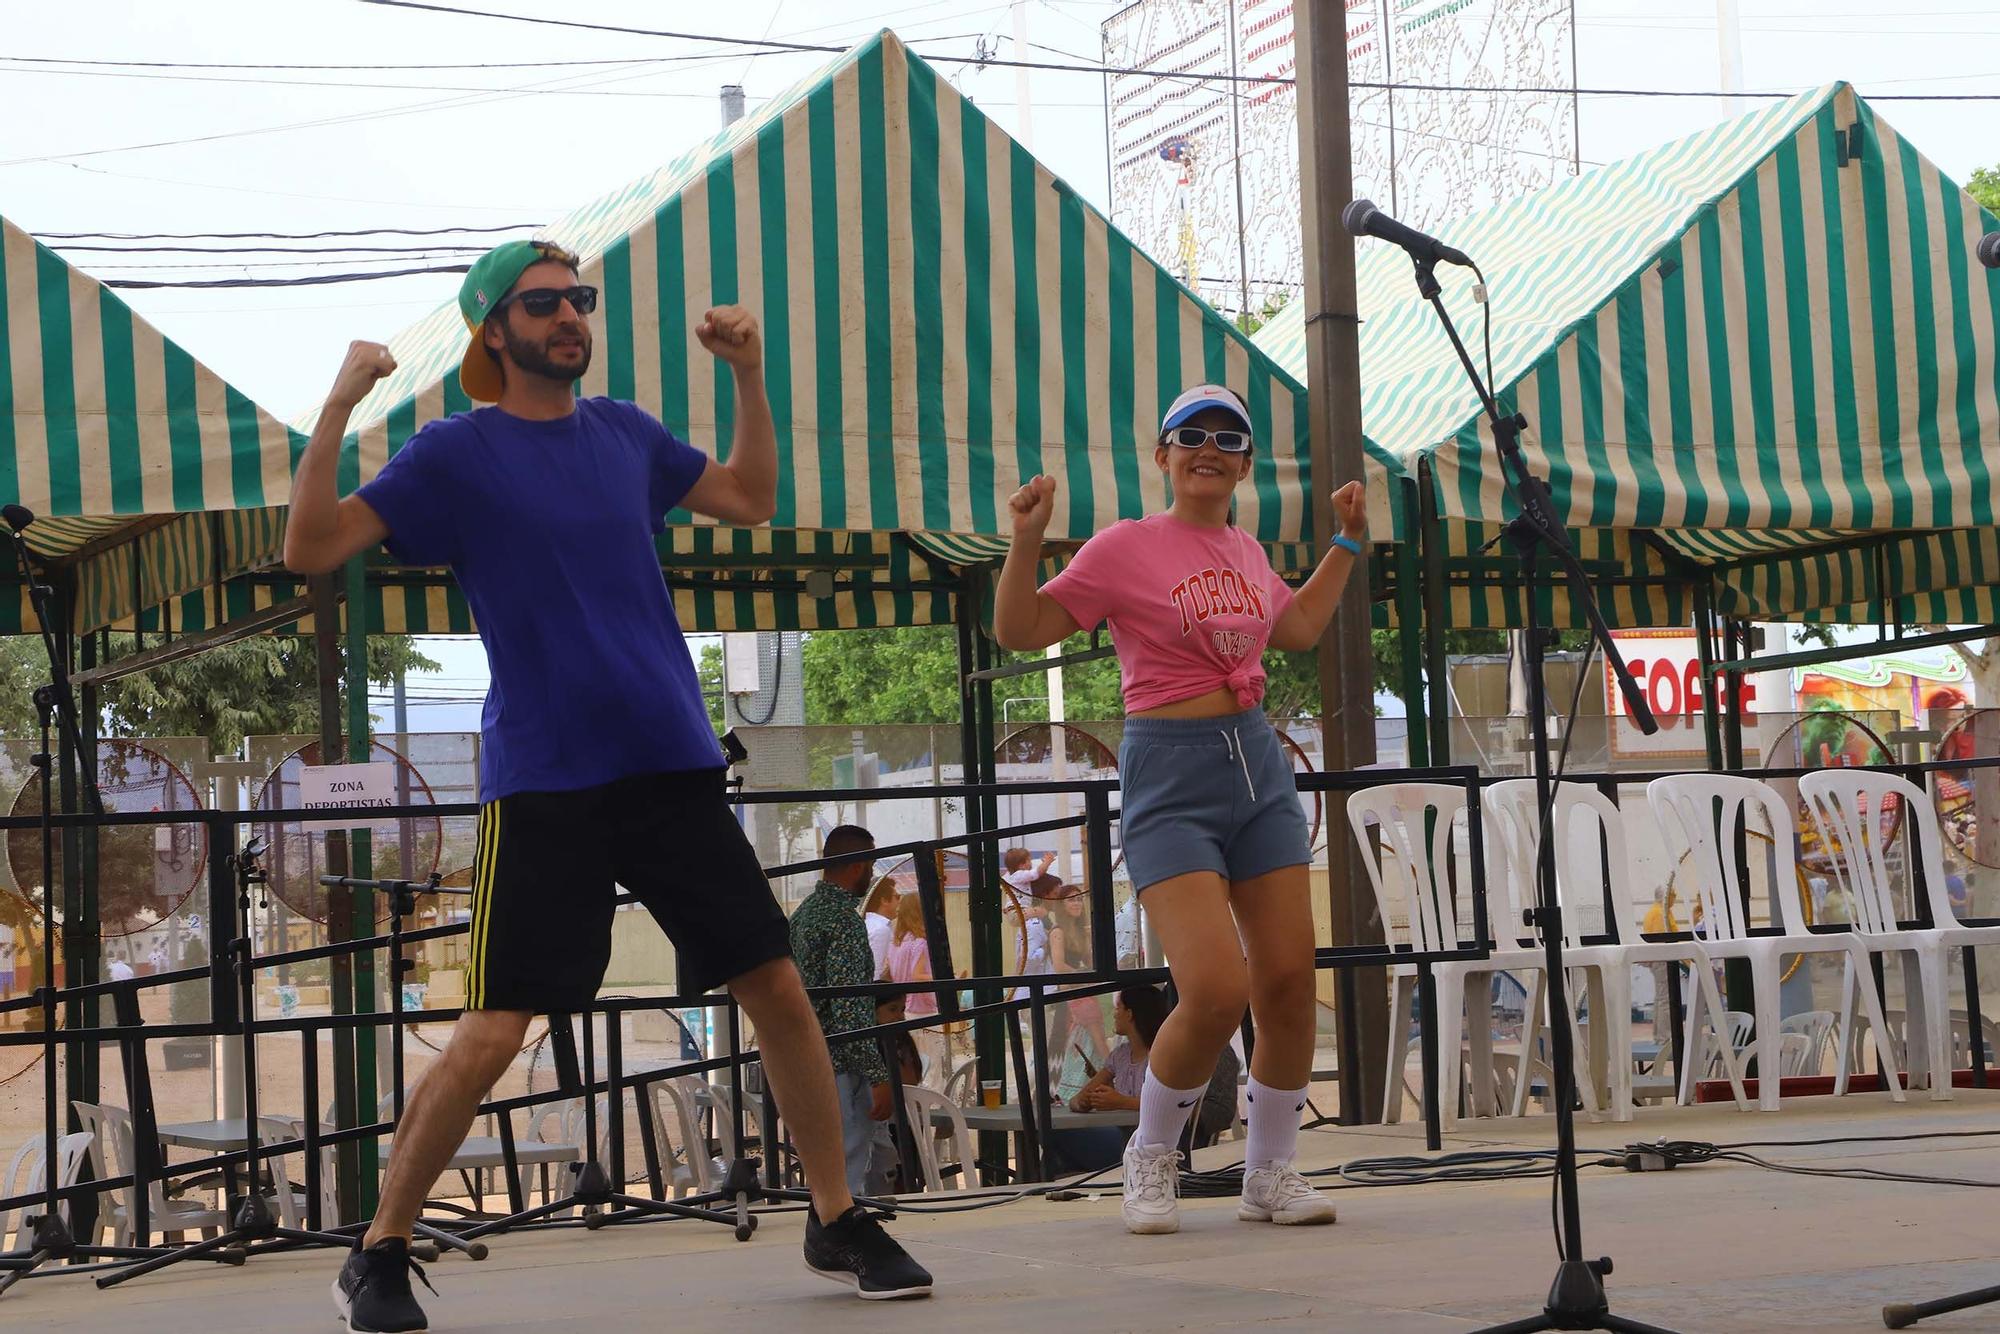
(1715, 1247)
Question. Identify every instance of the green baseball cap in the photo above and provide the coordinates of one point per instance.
(486, 282)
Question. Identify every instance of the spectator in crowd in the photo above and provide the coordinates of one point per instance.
(1019, 870)
(1069, 952)
(909, 960)
(879, 914)
(1137, 1018)
(831, 947)
(885, 1164)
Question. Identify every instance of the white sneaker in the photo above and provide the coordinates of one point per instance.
(1152, 1189)
(1278, 1194)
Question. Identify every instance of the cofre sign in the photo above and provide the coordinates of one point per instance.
(1667, 665)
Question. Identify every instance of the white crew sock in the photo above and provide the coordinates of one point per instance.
(1164, 1112)
(1274, 1124)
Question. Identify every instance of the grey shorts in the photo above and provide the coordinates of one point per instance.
(1208, 794)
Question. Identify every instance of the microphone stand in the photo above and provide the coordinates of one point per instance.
(1576, 1299)
(50, 1238)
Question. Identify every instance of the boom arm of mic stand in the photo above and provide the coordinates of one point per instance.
(1537, 507)
(1538, 519)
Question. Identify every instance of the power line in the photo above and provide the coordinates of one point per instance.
(455, 206)
(259, 65)
(354, 83)
(267, 249)
(317, 280)
(1100, 70)
(279, 236)
(91, 266)
(409, 108)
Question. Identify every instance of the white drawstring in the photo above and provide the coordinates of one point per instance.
(1235, 743)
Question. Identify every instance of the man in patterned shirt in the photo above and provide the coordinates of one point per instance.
(830, 945)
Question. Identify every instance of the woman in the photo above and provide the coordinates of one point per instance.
(1069, 952)
(1137, 1017)
(1215, 838)
(879, 913)
(909, 960)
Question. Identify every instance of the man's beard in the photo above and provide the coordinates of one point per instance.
(534, 358)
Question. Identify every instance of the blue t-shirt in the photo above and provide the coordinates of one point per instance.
(549, 528)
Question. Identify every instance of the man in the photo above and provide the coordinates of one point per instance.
(831, 946)
(599, 767)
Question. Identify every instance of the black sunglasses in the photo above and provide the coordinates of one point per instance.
(542, 302)
(1194, 437)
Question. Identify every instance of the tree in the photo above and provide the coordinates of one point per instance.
(265, 685)
(708, 671)
(910, 675)
(1984, 187)
(1250, 321)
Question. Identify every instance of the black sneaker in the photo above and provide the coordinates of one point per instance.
(854, 1249)
(372, 1292)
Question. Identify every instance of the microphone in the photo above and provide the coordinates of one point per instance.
(17, 517)
(1988, 250)
(1362, 218)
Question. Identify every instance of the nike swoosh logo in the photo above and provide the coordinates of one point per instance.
(1189, 1103)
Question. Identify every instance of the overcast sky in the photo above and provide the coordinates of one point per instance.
(188, 150)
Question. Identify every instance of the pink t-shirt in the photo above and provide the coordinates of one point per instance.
(1190, 608)
(909, 960)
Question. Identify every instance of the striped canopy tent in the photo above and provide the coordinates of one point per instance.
(1758, 365)
(943, 317)
(149, 476)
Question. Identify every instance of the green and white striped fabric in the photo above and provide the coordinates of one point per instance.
(1766, 337)
(103, 420)
(721, 579)
(942, 316)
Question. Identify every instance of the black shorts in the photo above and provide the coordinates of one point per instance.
(544, 886)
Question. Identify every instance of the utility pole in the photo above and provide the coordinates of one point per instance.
(1346, 658)
(1729, 46)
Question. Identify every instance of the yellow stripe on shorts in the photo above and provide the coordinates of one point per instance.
(483, 869)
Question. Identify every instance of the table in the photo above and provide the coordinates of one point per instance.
(1006, 1119)
(477, 1153)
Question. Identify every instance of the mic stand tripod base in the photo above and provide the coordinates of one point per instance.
(1577, 1301)
(739, 1187)
(1900, 1315)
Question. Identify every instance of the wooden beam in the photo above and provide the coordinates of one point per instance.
(187, 646)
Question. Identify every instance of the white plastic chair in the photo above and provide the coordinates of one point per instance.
(699, 1172)
(1704, 811)
(1593, 866)
(25, 1176)
(918, 1105)
(1509, 817)
(962, 1087)
(112, 1153)
(1846, 807)
(725, 1110)
(1417, 824)
(1816, 1026)
(1712, 1060)
(329, 1184)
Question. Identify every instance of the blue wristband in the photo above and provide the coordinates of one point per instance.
(1347, 544)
